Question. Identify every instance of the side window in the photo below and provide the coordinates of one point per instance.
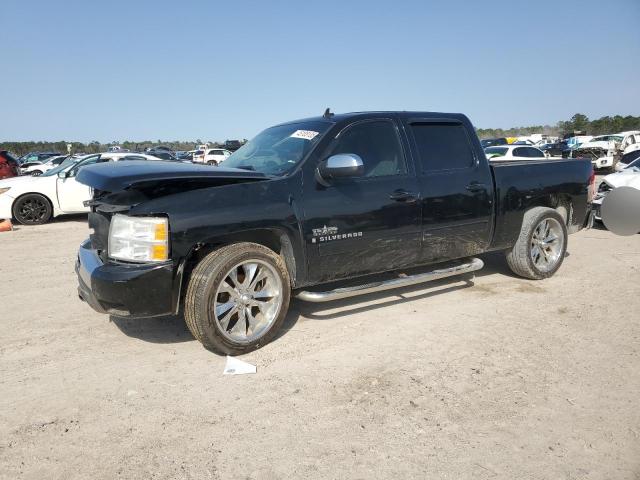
(520, 152)
(535, 153)
(377, 143)
(442, 146)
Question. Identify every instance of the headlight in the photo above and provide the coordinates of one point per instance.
(5, 189)
(139, 239)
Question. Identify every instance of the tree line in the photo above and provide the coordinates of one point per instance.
(578, 123)
(21, 148)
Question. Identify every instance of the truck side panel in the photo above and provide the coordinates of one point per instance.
(523, 185)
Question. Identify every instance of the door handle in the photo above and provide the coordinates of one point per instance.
(476, 187)
(403, 196)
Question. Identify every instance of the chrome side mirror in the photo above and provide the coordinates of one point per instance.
(342, 165)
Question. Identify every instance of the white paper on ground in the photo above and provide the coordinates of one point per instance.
(237, 367)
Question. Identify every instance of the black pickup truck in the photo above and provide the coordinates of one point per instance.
(311, 208)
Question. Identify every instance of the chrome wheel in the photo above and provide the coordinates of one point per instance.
(248, 301)
(547, 244)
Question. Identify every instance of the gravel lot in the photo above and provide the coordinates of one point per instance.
(495, 378)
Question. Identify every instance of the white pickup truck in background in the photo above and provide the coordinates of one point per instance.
(606, 150)
(211, 156)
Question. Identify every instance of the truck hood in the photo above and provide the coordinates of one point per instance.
(625, 178)
(599, 144)
(142, 175)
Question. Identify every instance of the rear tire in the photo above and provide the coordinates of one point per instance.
(32, 209)
(237, 298)
(541, 246)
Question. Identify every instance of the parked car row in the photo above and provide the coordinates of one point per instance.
(39, 167)
(627, 176)
(33, 200)
(604, 151)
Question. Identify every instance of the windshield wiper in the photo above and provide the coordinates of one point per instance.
(247, 167)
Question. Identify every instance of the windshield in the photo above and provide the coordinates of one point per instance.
(500, 151)
(54, 171)
(607, 138)
(69, 162)
(635, 164)
(277, 150)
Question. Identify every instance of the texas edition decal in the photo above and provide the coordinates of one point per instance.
(328, 234)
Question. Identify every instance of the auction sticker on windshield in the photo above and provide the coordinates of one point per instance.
(305, 134)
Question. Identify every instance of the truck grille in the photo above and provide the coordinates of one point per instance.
(99, 224)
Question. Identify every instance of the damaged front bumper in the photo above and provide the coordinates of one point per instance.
(600, 157)
(125, 290)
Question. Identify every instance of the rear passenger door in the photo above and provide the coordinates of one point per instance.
(456, 187)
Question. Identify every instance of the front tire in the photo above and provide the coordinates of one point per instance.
(32, 209)
(237, 298)
(541, 246)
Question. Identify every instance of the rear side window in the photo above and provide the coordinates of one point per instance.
(521, 152)
(442, 146)
(535, 153)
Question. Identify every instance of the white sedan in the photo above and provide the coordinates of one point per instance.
(514, 152)
(35, 200)
(37, 168)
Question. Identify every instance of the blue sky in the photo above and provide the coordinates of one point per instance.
(136, 70)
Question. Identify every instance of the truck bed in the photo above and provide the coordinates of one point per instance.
(520, 184)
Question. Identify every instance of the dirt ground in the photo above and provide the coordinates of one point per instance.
(492, 378)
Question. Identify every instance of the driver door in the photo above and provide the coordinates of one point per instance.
(365, 224)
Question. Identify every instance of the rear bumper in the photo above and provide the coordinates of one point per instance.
(124, 289)
(595, 208)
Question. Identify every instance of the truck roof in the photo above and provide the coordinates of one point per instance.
(339, 117)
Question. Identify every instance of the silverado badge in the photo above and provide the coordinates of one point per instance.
(327, 234)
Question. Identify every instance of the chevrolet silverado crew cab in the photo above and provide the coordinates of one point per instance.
(312, 207)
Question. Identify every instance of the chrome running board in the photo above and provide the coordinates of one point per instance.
(470, 266)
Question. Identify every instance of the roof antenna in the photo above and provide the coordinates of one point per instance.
(327, 113)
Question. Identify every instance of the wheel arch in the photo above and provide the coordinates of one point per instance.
(558, 201)
(276, 239)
